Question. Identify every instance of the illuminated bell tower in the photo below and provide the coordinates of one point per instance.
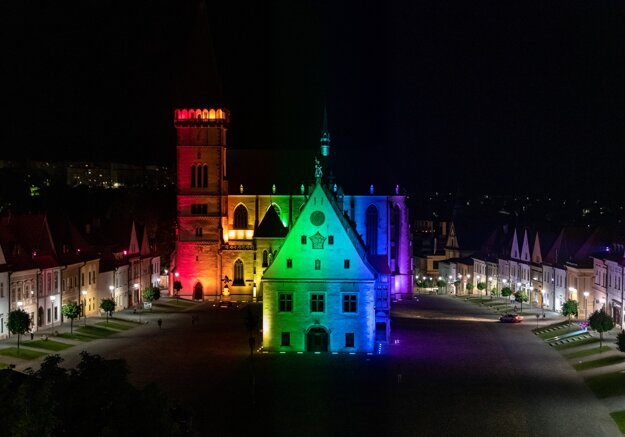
(325, 135)
(201, 198)
(201, 124)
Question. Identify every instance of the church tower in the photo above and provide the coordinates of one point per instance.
(202, 187)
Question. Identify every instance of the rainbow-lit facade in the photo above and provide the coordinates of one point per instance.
(227, 243)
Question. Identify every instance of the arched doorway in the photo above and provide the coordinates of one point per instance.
(198, 291)
(40, 316)
(317, 340)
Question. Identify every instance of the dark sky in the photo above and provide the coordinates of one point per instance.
(498, 95)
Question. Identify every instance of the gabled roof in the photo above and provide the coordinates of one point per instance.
(271, 226)
(308, 241)
(566, 245)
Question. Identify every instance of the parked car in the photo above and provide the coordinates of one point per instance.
(511, 318)
(225, 304)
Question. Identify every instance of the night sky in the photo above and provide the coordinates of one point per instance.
(525, 96)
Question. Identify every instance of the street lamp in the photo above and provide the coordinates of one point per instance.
(84, 305)
(52, 299)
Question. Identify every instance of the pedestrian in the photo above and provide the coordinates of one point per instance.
(160, 323)
(32, 335)
(515, 308)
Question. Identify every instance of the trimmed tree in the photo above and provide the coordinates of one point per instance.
(494, 292)
(71, 310)
(19, 323)
(601, 322)
(521, 296)
(569, 308)
(620, 341)
(177, 288)
(481, 286)
(470, 288)
(108, 306)
(150, 294)
(506, 292)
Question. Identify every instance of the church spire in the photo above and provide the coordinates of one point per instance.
(325, 134)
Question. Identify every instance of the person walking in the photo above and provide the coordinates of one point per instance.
(160, 323)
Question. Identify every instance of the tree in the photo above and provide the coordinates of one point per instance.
(108, 306)
(177, 288)
(494, 292)
(620, 341)
(71, 310)
(470, 288)
(506, 291)
(569, 308)
(601, 322)
(19, 323)
(521, 296)
(481, 286)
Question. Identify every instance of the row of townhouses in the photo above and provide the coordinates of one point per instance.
(580, 263)
(46, 262)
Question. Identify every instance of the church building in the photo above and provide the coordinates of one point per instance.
(335, 256)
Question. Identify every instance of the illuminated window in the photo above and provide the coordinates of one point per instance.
(286, 339)
(317, 264)
(265, 258)
(285, 302)
(303, 239)
(289, 263)
(317, 303)
(349, 339)
(372, 230)
(349, 303)
(238, 273)
(346, 264)
(240, 217)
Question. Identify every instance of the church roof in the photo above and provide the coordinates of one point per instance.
(271, 226)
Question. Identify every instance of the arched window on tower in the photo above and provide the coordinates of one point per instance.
(395, 224)
(193, 176)
(199, 176)
(265, 259)
(205, 179)
(238, 273)
(240, 217)
(371, 224)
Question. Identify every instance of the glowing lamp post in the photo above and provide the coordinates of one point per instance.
(52, 299)
(84, 305)
(586, 304)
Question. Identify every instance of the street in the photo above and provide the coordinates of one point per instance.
(462, 373)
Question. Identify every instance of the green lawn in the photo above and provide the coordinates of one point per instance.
(558, 332)
(619, 418)
(117, 325)
(607, 385)
(575, 343)
(48, 345)
(607, 361)
(587, 352)
(25, 354)
(553, 325)
(95, 331)
(3, 366)
(76, 336)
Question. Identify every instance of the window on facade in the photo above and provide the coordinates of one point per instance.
(349, 339)
(289, 263)
(303, 239)
(238, 273)
(192, 176)
(265, 258)
(317, 264)
(199, 176)
(205, 178)
(49, 315)
(371, 224)
(2, 289)
(285, 302)
(240, 217)
(285, 339)
(317, 303)
(330, 239)
(346, 264)
(349, 303)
